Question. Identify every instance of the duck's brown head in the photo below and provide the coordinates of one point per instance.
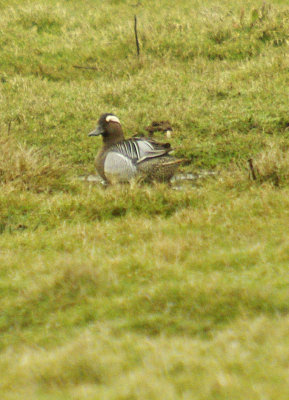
(109, 128)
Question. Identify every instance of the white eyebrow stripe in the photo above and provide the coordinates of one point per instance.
(112, 118)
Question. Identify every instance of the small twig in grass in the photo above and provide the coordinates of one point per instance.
(250, 161)
(9, 127)
(242, 14)
(81, 67)
(136, 37)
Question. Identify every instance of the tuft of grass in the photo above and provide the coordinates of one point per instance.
(25, 168)
(272, 165)
(269, 166)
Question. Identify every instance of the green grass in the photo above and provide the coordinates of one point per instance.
(144, 292)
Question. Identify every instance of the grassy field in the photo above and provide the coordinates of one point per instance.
(144, 292)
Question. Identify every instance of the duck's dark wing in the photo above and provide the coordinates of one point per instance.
(140, 149)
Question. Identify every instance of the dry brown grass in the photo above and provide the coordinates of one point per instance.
(26, 168)
(270, 166)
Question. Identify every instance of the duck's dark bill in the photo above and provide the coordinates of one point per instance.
(98, 131)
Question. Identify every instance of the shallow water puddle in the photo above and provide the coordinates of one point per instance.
(178, 182)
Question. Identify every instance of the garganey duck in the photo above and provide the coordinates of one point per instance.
(121, 160)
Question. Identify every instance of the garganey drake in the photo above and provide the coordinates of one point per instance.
(121, 160)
